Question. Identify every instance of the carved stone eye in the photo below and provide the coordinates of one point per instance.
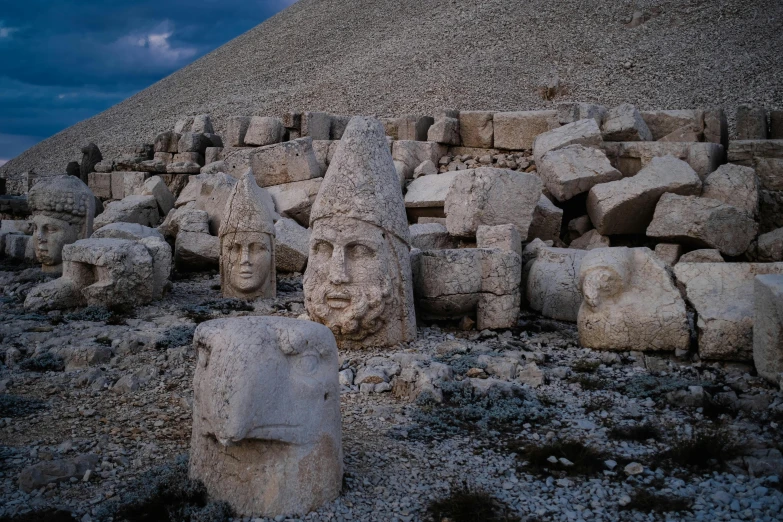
(306, 364)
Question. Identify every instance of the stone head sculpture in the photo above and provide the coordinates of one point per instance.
(247, 243)
(63, 208)
(266, 414)
(604, 274)
(358, 279)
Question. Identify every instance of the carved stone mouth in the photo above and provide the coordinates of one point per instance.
(338, 299)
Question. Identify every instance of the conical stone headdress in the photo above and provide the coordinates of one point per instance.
(245, 210)
(361, 181)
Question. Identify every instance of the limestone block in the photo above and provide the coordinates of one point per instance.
(292, 245)
(551, 281)
(746, 152)
(630, 302)
(503, 237)
(293, 120)
(236, 130)
(414, 153)
(669, 253)
(625, 123)
(280, 433)
(578, 227)
(154, 165)
(16, 226)
(212, 155)
(18, 246)
(167, 142)
(132, 209)
(338, 126)
(703, 222)
(193, 142)
(162, 262)
(518, 130)
(130, 231)
(770, 246)
(627, 206)
(408, 127)
(631, 157)
(203, 124)
(444, 131)
(776, 125)
(104, 166)
(769, 172)
(663, 123)
(575, 169)
(570, 112)
(686, 133)
(213, 168)
(583, 132)
(183, 167)
(294, 200)
(734, 185)
(768, 326)
(751, 123)
(264, 130)
(430, 236)
(590, 240)
(208, 192)
(100, 184)
(716, 127)
(285, 163)
(704, 255)
(722, 294)
(490, 196)
(188, 157)
(547, 220)
(196, 250)
(451, 284)
(476, 129)
(156, 188)
(428, 194)
(186, 219)
(426, 168)
(183, 124)
(133, 182)
(316, 125)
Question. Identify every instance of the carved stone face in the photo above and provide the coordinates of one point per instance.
(49, 238)
(601, 283)
(247, 264)
(349, 276)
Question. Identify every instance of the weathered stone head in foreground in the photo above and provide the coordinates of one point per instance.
(266, 415)
(63, 209)
(247, 243)
(358, 279)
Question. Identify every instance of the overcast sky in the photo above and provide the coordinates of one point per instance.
(64, 61)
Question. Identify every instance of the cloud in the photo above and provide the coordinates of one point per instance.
(7, 32)
(3, 162)
(153, 47)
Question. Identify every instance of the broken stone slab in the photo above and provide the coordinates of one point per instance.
(669, 253)
(131, 231)
(48, 472)
(769, 172)
(768, 326)
(444, 131)
(547, 220)
(769, 247)
(476, 129)
(575, 169)
(703, 255)
(551, 281)
(504, 237)
(578, 227)
(664, 122)
(135, 380)
(430, 236)
(156, 188)
(751, 123)
(631, 157)
(408, 127)
(213, 168)
(202, 123)
(100, 184)
(264, 130)
(236, 131)
(188, 157)
(196, 251)
(716, 127)
(186, 219)
(490, 196)
(625, 123)
(210, 192)
(687, 133)
(414, 153)
(630, 302)
(294, 200)
(426, 195)
(518, 130)
(590, 240)
(285, 163)
(583, 132)
(212, 155)
(193, 142)
(722, 294)
(627, 206)
(126, 183)
(167, 141)
(18, 246)
(734, 185)
(746, 152)
(183, 167)
(570, 112)
(154, 165)
(316, 125)
(703, 222)
(132, 209)
(426, 168)
(338, 126)
(292, 245)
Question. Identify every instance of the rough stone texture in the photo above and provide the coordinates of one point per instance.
(630, 302)
(768, 326)
(316, 125)
(212, 155)
(504, 237)
(704, 255)
(414, 153)
(627, 206)
(631, 157)
(662, 123)
(476, 129)
(625, 123)
(751, 123)
(734, 185)
(770, 173)
(430, 236)
(590, 240)
(547, 220)
(202, 123)
(263, 130)
(669, 253)
(193, 142)
(518, 130)
(285, 163)
(770, 246)
(167, 141)
(235, 131)
(214, 168)
(426, 168)
(196, 251)
(583, 132)
(716, 128)
(156, 187)
(21, 247)
(703, 222)
(91, 156)
(294, 200)
(100, 184)
(722, 294)
(445, 131)
(208, 192)
(776, 125)
(408, 127)
(551, 281)
(489, 196)
(247, 243)
(132, 209)
(578, 227)
(131, 231)
(358, 280)
(575, 169)
(687, 133)
(428, 193)
(292, 245)
(54, 471)
(570, 112)
(280, 433)
(472, 282)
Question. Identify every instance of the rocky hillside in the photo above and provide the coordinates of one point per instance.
(386, 57)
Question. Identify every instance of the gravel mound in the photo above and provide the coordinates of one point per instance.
(373, 57)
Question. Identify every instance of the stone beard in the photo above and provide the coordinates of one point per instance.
(355, 283)
(247, 263)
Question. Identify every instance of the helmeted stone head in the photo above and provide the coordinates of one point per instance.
(358, 279)
(247, 243)
(63, 208)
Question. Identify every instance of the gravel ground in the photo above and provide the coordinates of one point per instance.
(577, 435)
(417, 56)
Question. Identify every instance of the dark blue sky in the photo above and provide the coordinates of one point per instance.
(64, 61)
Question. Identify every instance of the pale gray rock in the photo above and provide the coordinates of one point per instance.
(48, 472)
(716, 128)
(427, 194)
(167, 142)
(236, 131)
(430, 236)
(426, 168)
(316, 125)
(547, 220)
(631, 157)
(193, 142)
(196, 250)
(770, 246)
(292, 245)
(214, 167)
(294, 200)
(184, 125)
(131, 231)
(703, 255)
(156, 187)
(625, 123)
(18, 246)
(414, 153)
(768, 326)
(202, 123)
(583, 132)
(135, 380)
(476, 129)
(208, 192)
(178, 166)
(518, 130)
(590, 240)
(575, 169)
(100, 184)
(663, 123)
(570, 112)
(770, 173)
(751, 123)
(285, 163)
(503, 237)
(264, 130)
(445, 131)
(551, 281)
(132, 209)
(212, 155)
(669, 253)
(734, 185)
